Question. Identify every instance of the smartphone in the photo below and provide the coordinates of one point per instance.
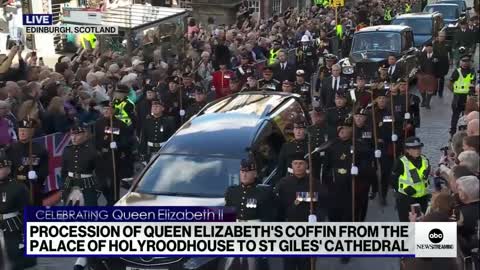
(416, 209)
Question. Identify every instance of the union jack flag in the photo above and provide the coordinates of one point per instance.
(55, 144)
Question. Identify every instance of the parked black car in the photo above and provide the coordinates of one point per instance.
(425, 26)
(199, 162)
(451, 12)
(372, 45)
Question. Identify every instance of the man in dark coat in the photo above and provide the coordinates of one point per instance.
(442, 50)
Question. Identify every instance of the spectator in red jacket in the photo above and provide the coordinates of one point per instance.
(221, 81)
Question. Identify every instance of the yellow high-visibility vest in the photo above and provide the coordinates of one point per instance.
(419, 182)
(90, 38)
(273, 56)
(462, 84)
(408, 8)
(122, 115)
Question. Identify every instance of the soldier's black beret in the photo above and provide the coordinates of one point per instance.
(361, 111)
(78, 128)
(173, 79)
(248, 164)
(341, 93)
(267, 68)
(157, 101)
(413, 142)
(380, 93)
(297, 156)
(27, 123)
(299, 122)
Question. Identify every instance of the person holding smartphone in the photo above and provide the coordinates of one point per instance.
(410, 179)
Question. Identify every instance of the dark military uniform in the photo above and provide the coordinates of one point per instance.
(196, 106)
(244, 71)
(143, 108)
(13, 198)
(78, 166)
(306, 59)
(271, 85)
(336, 115)
(294, 205)
(305, 91)
(365, 161)
(19, 154)
(156, 131)
(399, 108)
(174, 102)
(122, 136)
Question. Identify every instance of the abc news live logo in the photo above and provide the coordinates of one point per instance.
(436, 239)
(43, 24)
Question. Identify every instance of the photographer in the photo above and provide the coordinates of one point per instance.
(7, 73)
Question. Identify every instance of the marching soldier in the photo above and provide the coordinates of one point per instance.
(121, 145)
(338, 113)
(158, 129)
(245, 69)
(320, 131)
(13, 198)
(385, 127)
(252, 203)
(78, 166)
(298, 145)
(200, 102)
(144, 105)
(382, 76)
(124, 107)
(361, 93)
(411, 114)
(303, 88)
(294, 201)
(365, 148)
(188, 85)
(29, 161)
(410, 179)
(306, 57)
(268, 82)
(174, 101)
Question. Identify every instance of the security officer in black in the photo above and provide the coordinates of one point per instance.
(303, 88)
(298, 145)
(120, 144)
(384, 123)
(366, 185)
(14, 198)
(268, 82)
(78, 167)
(198, 104)
(30, 170)
(293, 194)
(412, 117)
(245, 69)
(158, 129)
(338, 113)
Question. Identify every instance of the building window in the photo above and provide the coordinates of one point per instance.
(276, 6)
(255, 4)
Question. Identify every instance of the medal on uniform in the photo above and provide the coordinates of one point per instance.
(367, 135)
(4, 197)
(161, 128)
(325, 137)
(343, 156)
(251, 203)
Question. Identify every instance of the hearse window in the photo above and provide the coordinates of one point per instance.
(267, 152)
(407, 40)
(284, 116)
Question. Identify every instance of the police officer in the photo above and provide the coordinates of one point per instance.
(13, 198)
(273, 53)
(200, 102)
(384, 125)
(124, 107)
(366, 185)
(306, 57)
(297, 145)
(337, 114)
(30, 166)
(120, 145)
(461, 83)
(158, 129)
(245, 69)
(303, 88)
(294, 201)
(410, 178)
(78, 166)
(268, 82)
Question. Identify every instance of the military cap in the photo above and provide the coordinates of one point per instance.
(330, 57)
(248, 164)
(361, 111)
(78, 128)
(401, 80)
(277, 42)
(27, 123)
(287, 82)
(173, 79)
(299, 122)
(157, 101)
(267, 69)
(149, 87)
(122, 88)
(347, 122)
(297, 156)
(465, 57)
(300, 72)
(413, 142)
(200, 89)
(341, 93)
(379, 93)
